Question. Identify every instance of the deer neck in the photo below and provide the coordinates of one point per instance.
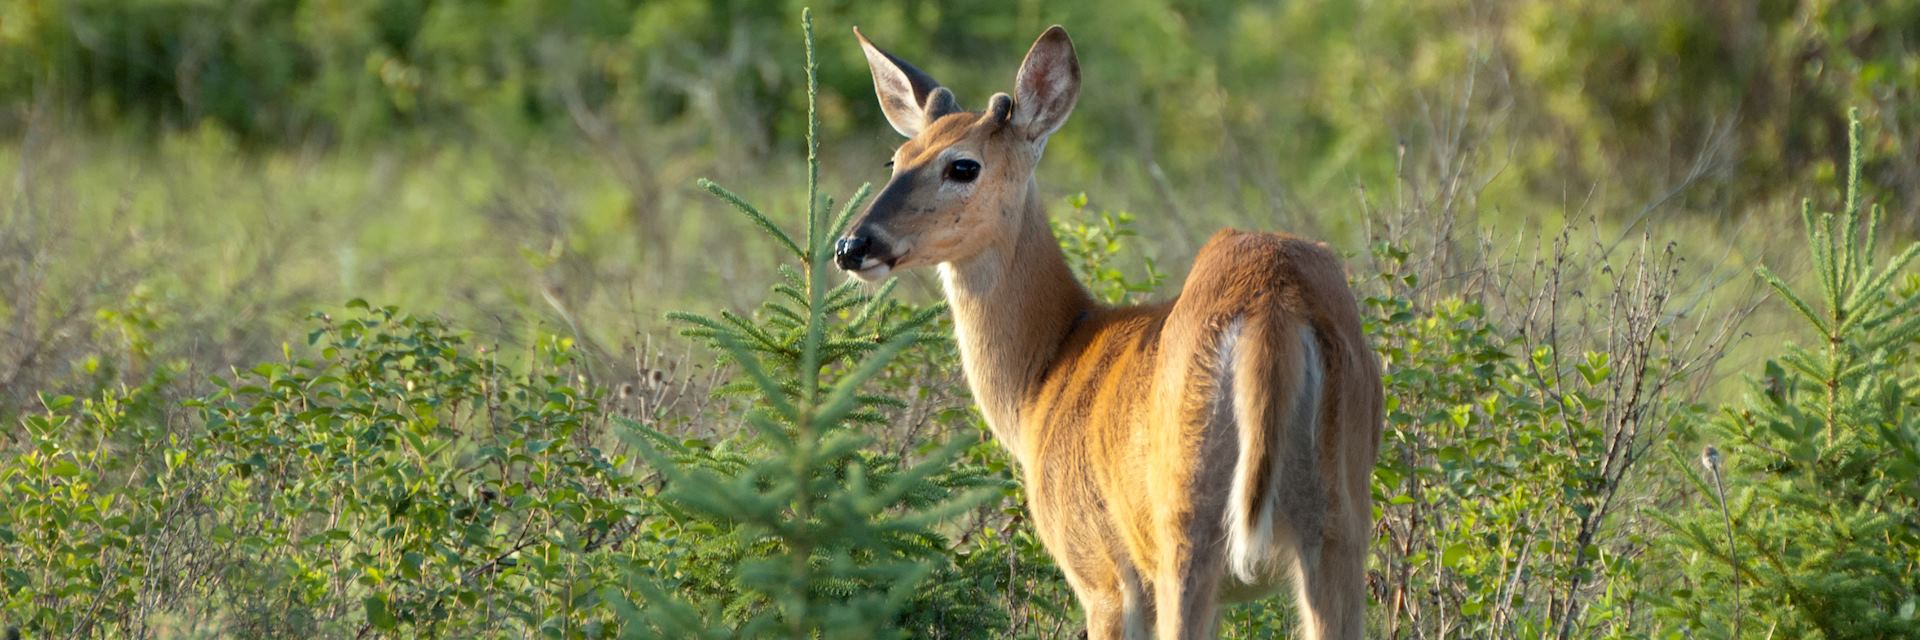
(1013, 305)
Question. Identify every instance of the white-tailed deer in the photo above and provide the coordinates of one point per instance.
(1214, 447)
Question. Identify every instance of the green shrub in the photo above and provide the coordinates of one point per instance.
(1807, 516)
(401, 479)
(1093, 242)
(1503, 467)
(1523, 396)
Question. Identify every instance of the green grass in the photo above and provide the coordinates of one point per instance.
(226, 249)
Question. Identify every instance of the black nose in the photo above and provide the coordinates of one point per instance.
(851, 251)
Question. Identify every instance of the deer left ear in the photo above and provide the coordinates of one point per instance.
(1048, 85)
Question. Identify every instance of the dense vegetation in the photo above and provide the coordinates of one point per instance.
(1592, 431)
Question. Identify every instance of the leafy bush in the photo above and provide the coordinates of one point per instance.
(1092, 242)
(1512, 457)
(401, 479)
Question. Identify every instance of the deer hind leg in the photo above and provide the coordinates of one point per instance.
(1187, 594)
(1186, 583)
(1126, 615)
(1137, 623)
(1321, 503)
(1105, 620)
(1331, 588)
(1283, 515)
(1192, 558)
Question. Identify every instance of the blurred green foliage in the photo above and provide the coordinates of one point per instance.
(1282, 100)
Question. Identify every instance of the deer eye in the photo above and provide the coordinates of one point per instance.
(963, 170)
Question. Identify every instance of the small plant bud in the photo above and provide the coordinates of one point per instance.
(1710, 457)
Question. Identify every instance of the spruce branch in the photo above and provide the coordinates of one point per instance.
(759, 219)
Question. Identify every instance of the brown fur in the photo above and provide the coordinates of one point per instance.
(1127, 424)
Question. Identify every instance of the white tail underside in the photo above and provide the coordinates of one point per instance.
(1252, 549)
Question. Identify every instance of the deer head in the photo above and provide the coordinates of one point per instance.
(963, 179)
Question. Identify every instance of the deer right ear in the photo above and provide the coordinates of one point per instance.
(1048, 85)
(908, 96)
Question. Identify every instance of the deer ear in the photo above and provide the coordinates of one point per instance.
(904, 90)
(1048, 85)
